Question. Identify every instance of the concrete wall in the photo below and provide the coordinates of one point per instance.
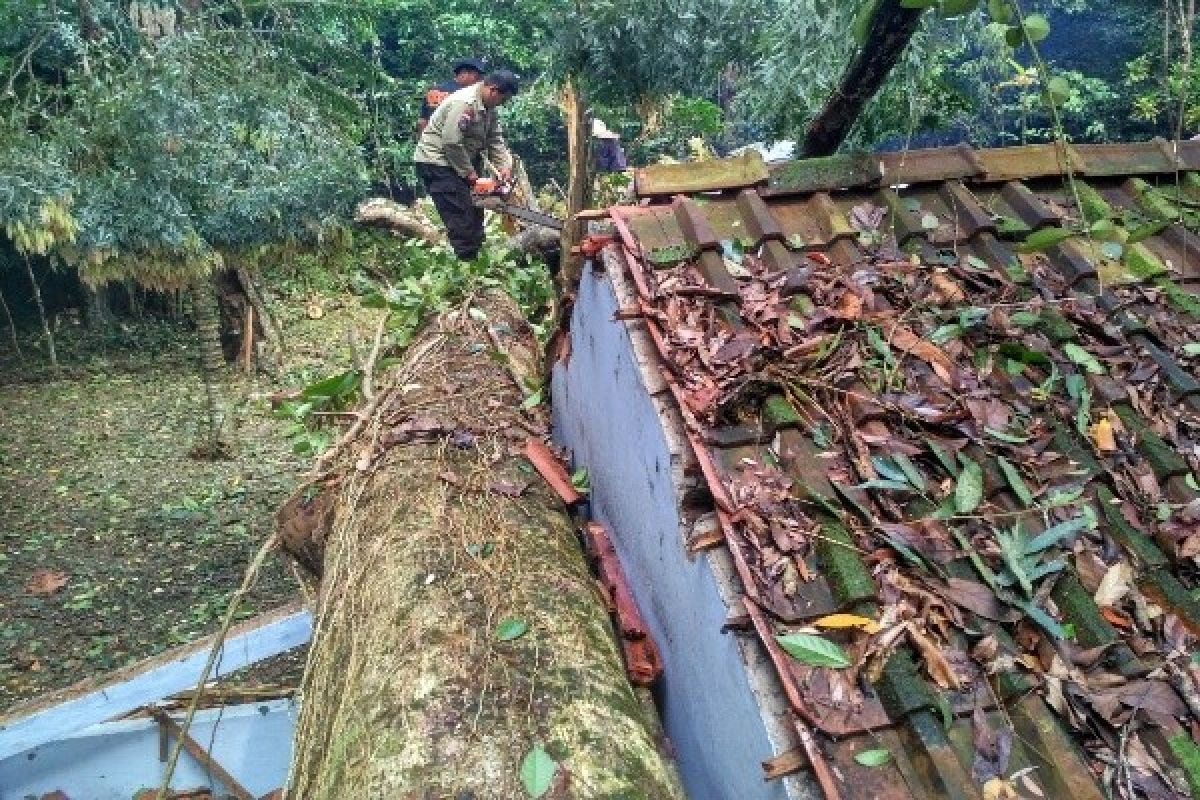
(720, 700)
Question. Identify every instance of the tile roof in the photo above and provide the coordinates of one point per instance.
(898, 371)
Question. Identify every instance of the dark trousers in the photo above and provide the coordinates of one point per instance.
(451, 196)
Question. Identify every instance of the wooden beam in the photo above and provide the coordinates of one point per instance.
(197, 751)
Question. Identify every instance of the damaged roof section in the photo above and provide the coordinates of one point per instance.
(951, 431)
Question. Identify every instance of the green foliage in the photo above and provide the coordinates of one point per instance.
(804, 50)
(633, 51)
(427, 280)
(165, 155)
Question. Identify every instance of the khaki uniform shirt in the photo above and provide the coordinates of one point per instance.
(460, 129)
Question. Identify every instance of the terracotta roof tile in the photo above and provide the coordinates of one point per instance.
(848, 352)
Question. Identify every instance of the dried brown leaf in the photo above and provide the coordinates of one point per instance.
(46, 582)
(1116, 583)
(935, 661)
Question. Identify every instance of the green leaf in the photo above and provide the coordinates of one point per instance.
(1083, 358)
(943, 457)
(1103, 227)
(1011, 438)
(1000, 11)
(1012, 552)
(1044, 239)
(968, 489)
(1009, 226)
(945, 333)
(911, 473)
(1044, 620)
(537, 771)
(1025, 319)
(813, 650)
(1076, 386)
(1191, 349)
(887, 469)
(918, 3)
(481, 550)
(336, 386)
(899, 486)
(1018, 351)
(1053, 535)
(581, 480)
(1015, 482)
(533, 401)
(511, 628)
(1064, 497)
(873, 758)
(1143, 232)
(1037, 27)
(1058, 89)
(862, 25)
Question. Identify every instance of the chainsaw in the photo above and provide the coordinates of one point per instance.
(494, 196)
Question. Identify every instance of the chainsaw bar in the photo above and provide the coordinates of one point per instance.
(520, 212)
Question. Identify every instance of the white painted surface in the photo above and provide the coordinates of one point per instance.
(113, 760)
(109, 702)
(720, 700)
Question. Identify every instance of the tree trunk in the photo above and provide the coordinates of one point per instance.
(96, 313)
(206, 315)
(272, 332)
(12, 326)
(457, 623)
(578, 180)
(37, 297)
(889, 32)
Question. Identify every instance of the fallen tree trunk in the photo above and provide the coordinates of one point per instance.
(458, 626)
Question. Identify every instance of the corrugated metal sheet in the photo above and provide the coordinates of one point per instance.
(727, 281)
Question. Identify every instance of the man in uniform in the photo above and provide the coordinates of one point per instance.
(464, 127)
(467, 72)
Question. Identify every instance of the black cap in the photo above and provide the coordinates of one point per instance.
(469, 63)
(503, 80)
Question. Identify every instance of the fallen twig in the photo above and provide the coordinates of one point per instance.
(235, 602)
(368, 380)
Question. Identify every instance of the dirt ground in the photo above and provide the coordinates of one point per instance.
(97, 488)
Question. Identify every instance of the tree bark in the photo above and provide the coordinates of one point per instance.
(457, 623)
(889, 32)
(206, 315)
(271, 329)
(385, 213)
(97, 312)
(12, 326)
(37, 297)
(578, 181)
